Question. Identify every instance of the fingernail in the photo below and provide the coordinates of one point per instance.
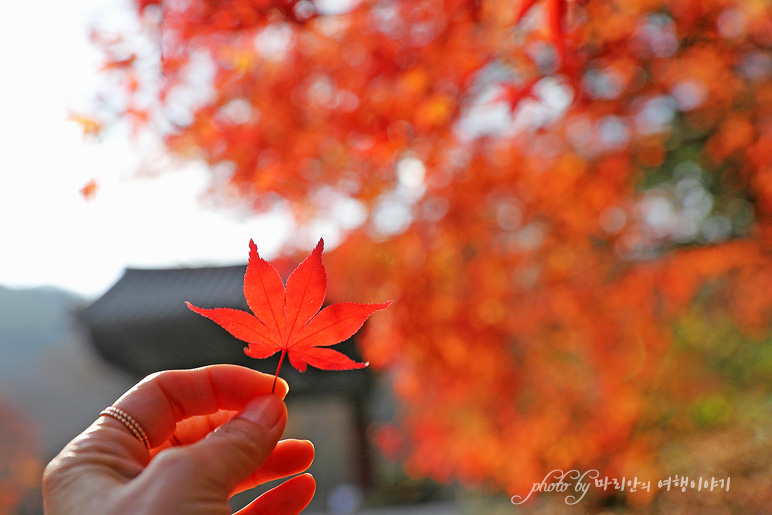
(265, 411)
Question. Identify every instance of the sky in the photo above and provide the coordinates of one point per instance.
(50, 235)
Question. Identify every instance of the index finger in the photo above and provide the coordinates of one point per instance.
(161, 400)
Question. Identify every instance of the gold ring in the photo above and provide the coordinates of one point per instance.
(131, 424)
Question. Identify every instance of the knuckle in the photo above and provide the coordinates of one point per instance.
(155, 376)
(51, 476)
(251, 439)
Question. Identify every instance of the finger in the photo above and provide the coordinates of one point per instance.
(288, 458)
(289, 498)
(161, 400)
(227, 456)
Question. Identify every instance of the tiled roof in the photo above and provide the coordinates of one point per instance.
(145, 295)
(142, 325)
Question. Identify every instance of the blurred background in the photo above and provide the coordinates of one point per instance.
(570, 203)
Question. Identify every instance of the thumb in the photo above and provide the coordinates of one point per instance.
(232, 452)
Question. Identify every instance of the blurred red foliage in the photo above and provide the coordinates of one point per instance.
(540, 249)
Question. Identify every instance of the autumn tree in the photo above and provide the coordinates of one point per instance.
(558, 196)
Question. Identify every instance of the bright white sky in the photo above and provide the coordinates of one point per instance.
(49, 234)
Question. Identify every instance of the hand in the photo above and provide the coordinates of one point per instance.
(213, 432)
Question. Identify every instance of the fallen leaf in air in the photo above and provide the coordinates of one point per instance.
(89, 190)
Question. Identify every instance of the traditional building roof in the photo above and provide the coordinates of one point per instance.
(142, 325)
(159, 294)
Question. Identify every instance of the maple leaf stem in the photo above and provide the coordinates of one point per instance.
(276, 377)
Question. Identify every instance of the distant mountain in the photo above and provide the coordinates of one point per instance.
(32, 322)
(48, 368)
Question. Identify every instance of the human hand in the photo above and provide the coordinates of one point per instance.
(212, 433)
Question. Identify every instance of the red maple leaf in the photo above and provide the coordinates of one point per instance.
(514, 94)
(288, 319)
